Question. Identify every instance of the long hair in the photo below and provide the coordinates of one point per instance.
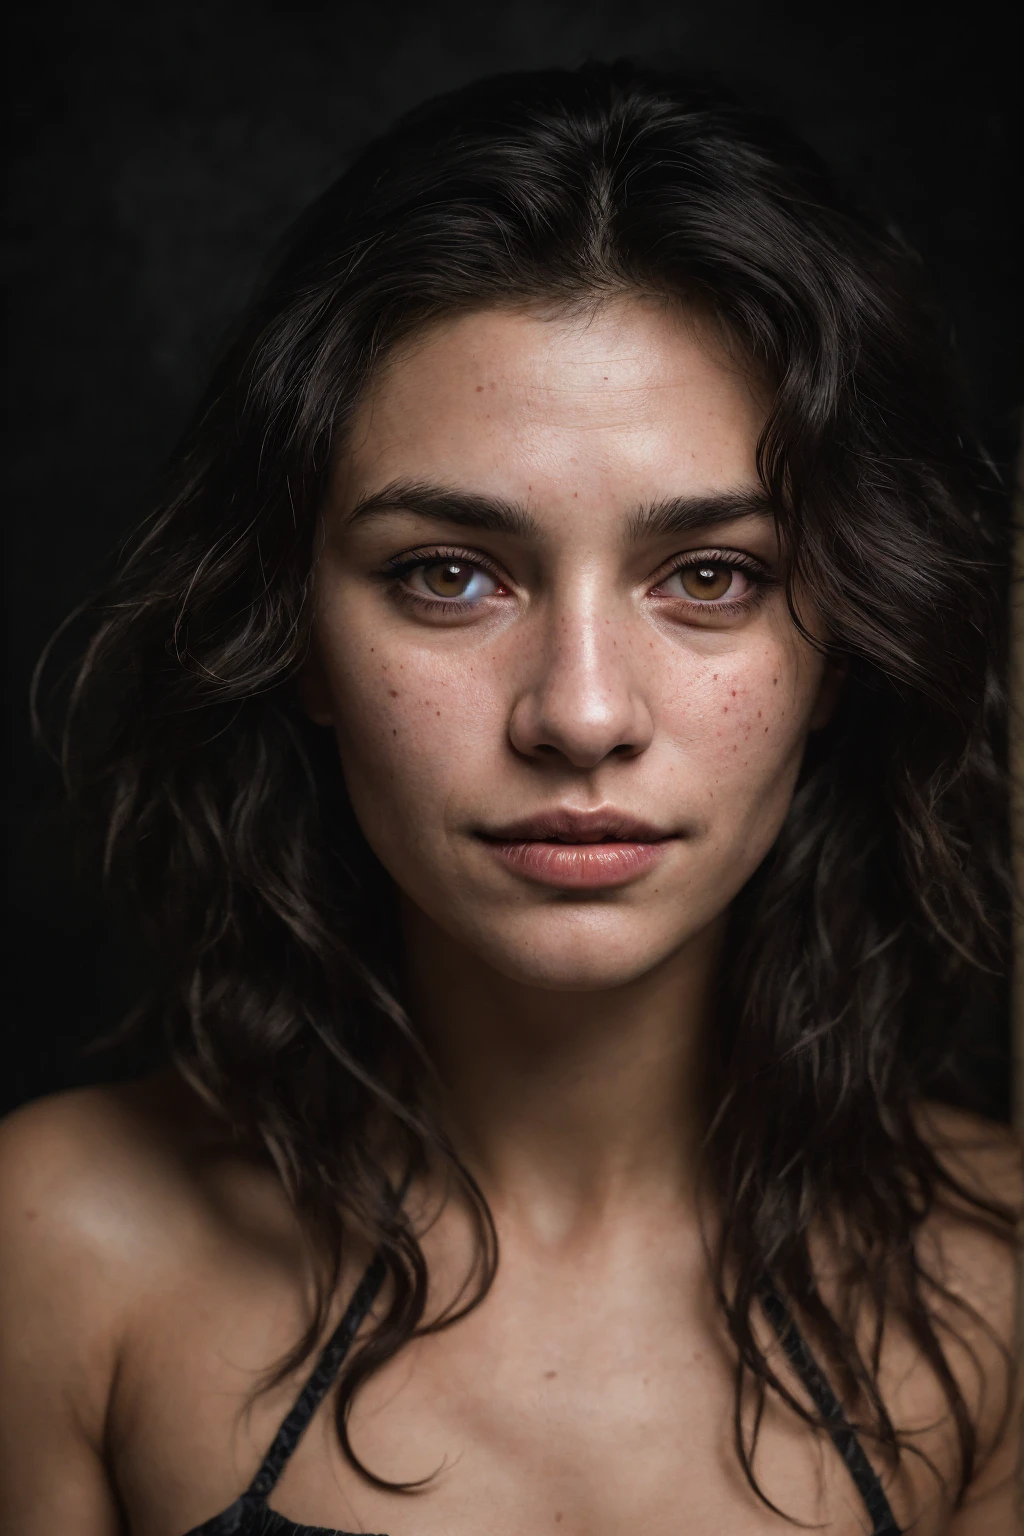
(861, 946)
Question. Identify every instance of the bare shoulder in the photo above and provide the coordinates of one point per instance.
(106, 1193)
(117, 1205)
(987, 1158)
(126, 1172)
(970, 1245)
(90, 1131)
(970, 1241)
(82, 1177)
(73, 1163)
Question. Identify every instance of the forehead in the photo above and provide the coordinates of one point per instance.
(635, 398)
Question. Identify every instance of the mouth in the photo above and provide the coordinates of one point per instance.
(579, 850)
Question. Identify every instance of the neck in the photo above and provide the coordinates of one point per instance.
(566, 1104)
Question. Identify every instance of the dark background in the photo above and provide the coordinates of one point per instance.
(158, 153)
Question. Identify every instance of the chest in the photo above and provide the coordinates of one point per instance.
(596, 1416)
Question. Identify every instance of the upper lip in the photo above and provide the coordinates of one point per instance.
(565, 825)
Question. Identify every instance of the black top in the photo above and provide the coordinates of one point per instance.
(249, 1515)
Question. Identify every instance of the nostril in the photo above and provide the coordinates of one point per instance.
(574, 727)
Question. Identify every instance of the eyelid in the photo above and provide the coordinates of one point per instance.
(400, 565)
(424, 554)
(739, 559)
(758, 575)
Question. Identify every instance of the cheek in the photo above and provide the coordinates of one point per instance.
(742, 726)
(408, 724)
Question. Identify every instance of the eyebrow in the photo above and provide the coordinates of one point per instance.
(444, 505)
(682, 514)
(674, 515)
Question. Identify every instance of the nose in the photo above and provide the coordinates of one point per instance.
(584, 701)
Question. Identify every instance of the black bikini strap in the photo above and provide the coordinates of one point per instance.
(326, 1369)
(828, 1405)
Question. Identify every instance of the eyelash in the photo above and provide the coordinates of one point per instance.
(760, 578)
(403, 565)
(397, 569)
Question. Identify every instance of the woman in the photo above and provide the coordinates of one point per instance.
(553, 728)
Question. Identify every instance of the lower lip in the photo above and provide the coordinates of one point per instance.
(581, 866)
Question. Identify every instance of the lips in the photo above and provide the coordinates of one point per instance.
(577, 850)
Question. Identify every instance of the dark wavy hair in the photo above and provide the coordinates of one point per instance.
(860, 948)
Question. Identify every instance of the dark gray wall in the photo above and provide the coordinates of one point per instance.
(159, 151)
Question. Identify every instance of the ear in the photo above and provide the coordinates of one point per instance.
(829, 691)
(312, 690)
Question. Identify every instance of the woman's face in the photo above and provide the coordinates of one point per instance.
(569, 698)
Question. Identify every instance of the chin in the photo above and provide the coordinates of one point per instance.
(574, 950)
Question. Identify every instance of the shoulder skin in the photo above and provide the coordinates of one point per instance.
(107, 1195)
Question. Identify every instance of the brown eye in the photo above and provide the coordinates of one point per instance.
(706, 581)
(448, 578)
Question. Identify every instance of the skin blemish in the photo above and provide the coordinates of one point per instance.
(393, 692)
(558, 1516)
(550, 1375)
